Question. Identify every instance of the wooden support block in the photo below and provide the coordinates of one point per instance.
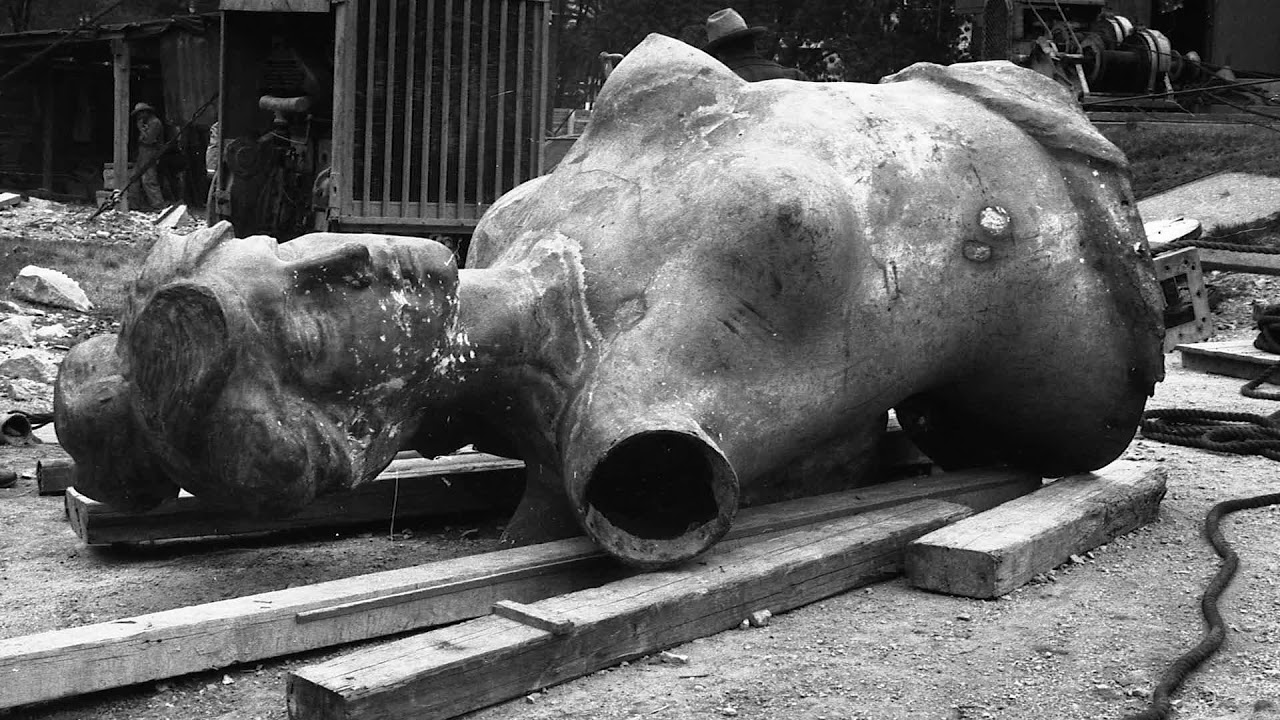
(414, 487)
(1186, 302)
(8, 199)
(1233, 358)
(53, 477)
(96, 657)
(451, 671)
(999, 550)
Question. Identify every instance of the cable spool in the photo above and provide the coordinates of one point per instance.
(1155, 55)
(1113, 30)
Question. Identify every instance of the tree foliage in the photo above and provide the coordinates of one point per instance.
(873, 37)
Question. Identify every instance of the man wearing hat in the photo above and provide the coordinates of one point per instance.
(734, 44)
(150, 144)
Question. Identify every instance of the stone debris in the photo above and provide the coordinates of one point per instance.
(30, 364)
(56, 331)
(17, 330)
(671, 658)
(759, 618)
(49, 287)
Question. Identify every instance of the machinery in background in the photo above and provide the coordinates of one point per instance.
(1084, 44)
(270, 180)
(405, 117)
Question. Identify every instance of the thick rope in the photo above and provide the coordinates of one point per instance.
(1233, 432)
(1212, 639)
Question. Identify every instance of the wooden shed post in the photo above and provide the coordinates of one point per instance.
(120, 156)
(46, 159)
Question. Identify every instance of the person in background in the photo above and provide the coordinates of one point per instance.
(150, 145)
(731, 42)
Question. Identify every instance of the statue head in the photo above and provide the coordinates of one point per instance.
(261, 374)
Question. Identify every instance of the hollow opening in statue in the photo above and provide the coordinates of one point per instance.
(656, 485)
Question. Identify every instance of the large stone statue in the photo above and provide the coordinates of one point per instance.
(712, 301)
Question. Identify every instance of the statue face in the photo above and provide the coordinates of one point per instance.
(265, 373)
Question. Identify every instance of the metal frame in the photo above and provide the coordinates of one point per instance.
(439, 108)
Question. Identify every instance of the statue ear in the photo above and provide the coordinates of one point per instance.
(349, 264)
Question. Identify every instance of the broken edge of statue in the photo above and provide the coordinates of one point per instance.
(711, 302)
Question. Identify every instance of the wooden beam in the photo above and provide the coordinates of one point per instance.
(85, 659)
(445, 673)
(53, 477)
(1233, 358)
(1249, 262)
(48, 103)
(999, 550)
(120, 61)
(414, 488)
(187, 517)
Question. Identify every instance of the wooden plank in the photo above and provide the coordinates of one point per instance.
(1140, 119)
(345, 82)
(532, 616)
(451, 671)
(120, 61)
(85, 659)
(412, 488)
(49, 110)
(1233, 358)
(1258, 263)
(188, 517)
(999, 550)
(53, 477)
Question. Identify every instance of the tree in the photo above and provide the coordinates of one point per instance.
(873, 37)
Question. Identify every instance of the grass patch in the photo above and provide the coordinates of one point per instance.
(104, 269)
(1165, 157)
(1256, 232)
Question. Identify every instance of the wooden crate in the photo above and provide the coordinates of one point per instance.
(1186, 303)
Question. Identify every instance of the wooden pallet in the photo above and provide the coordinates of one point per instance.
(1234, 358)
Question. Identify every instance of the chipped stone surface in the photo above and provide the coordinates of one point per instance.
(49, 287)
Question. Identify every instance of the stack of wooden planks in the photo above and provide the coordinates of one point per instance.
(150, 647)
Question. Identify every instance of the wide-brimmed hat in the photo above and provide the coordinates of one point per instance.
(141, 107)
(726, 25)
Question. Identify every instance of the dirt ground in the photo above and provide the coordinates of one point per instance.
(1087, 640)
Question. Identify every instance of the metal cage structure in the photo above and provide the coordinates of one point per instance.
(440, 107)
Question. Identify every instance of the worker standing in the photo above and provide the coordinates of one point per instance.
(150, 145)
(734, 44)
